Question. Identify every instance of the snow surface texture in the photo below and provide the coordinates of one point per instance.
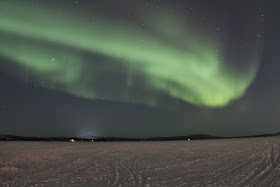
(232, 162)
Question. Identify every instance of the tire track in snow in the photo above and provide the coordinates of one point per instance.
(263, 168)
(137, 178)
(80, 167)
(115, 176)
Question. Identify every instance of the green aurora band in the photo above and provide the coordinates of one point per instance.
(117, 61)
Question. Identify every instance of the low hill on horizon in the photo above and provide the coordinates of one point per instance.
(5, 137)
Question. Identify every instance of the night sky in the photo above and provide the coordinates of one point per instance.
(134, 68)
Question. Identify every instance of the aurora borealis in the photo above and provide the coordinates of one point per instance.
(151, 54)
(179, 62)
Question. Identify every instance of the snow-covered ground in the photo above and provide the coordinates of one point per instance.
(232, 162)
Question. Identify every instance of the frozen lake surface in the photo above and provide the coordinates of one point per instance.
(232, 162)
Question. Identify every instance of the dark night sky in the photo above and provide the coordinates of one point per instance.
(139, 68)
